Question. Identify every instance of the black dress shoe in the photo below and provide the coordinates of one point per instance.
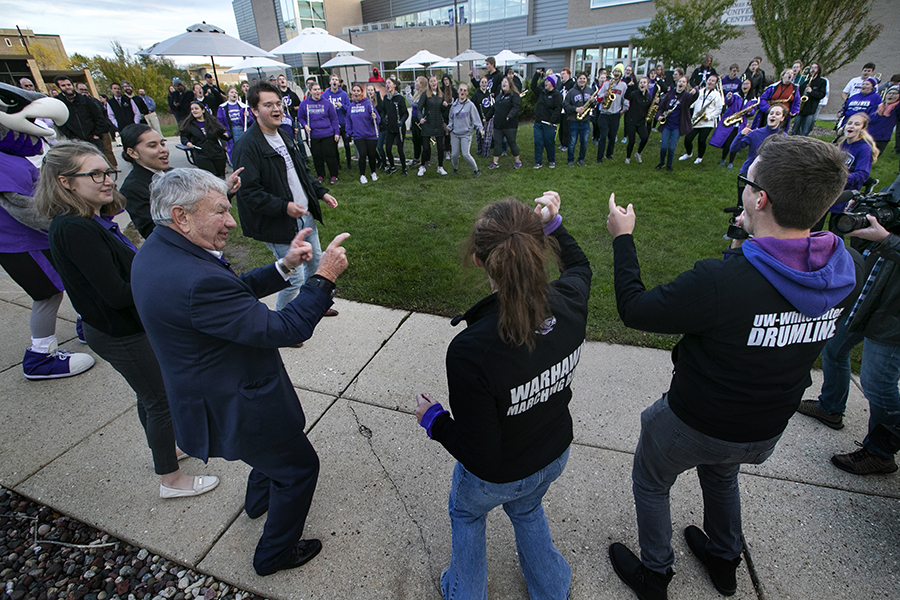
(302, 553)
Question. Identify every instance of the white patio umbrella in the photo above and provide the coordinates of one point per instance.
(443, 64)
(507, 57)
(345, 59)
(531, 59)
(410, 66)
(204, 40)
(258, 64)
(469, 55)
(315, 40)
(424, 57)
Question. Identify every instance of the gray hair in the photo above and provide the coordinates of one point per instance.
(181, 187)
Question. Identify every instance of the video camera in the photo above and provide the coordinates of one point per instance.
(883, 205)
(735, 232)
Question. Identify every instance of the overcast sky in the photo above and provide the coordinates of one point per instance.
(87, 26)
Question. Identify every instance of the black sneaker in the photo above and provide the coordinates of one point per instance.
(391, 170)
(647, 584)
(669, 169)
(864, 462)
(581, 163)
(404, 173)
(660, 166)
(810, 408)
(723, 572)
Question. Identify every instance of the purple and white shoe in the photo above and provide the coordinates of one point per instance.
(79, 330)
(55, 364)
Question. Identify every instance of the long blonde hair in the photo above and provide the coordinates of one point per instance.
(864, 135)
(423, 85)
(52, 199)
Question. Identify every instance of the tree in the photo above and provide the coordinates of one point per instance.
(829, 32)
(683, 31)
(151, 73)
(47, 58)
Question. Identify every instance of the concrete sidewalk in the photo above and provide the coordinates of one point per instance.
(380, 508)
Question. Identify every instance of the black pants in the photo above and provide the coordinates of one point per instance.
(510, 136)
(367, 148)
(641, 129)
(324, 151)
(726, 147)
(608, 124)
(347, 142)
(426, 149)
(391, 138)
(283, 481)
(564, 131)
(702, 133)
(133, 357)
(416, 131)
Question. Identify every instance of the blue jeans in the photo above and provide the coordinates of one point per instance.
(667, 146)
(544, 139)
(803, 125)
(878, 376)
(546, 572)
(305, 270)
(578, 130)
(668, 447)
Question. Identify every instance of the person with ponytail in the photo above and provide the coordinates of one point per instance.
(509, 375)
(885, 119)
(861, 153)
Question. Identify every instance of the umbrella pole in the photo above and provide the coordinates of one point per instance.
(215, 75)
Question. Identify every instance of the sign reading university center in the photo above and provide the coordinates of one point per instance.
(740, 13)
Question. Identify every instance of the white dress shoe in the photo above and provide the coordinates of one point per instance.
(202, 484)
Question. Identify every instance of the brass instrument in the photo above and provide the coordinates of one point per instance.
(665, 115)
(654, 106)
(522, 94)
(736, 117)
(610, 94)
(588, 107)
(702, 114)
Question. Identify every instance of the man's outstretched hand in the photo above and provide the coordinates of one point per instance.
(334, 259)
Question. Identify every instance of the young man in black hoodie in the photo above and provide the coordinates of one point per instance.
(752, 325)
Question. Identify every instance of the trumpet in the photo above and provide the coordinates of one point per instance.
(736, 117)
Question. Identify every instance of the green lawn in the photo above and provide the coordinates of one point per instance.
(169, 130)
(406, 232)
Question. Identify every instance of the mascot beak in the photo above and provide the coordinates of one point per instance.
(19, 109)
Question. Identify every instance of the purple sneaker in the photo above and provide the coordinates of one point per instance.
(56, 364)
(79, 330)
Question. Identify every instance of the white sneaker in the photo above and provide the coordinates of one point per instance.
(684, 156)
(627, 161)
(698, 161)
(441, 171)
(637, 157)
(362, 178)
(421, 171)
(374, 177)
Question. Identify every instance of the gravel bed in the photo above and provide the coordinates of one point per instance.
(48, 556)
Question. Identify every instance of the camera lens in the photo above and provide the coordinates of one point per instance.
(848, 222)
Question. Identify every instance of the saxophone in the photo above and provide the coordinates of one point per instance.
(588, 107)
(736, 117)
(665, 115)
(654, 106)
(610, 94)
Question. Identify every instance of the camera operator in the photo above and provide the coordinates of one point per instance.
(874, 320)
(753, 325)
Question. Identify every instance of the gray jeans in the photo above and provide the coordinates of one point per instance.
(668, 447)
(461, 143)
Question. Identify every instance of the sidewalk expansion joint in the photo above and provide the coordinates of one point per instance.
(870, 494)
(751, 569)
(374, 354)
(367, 434)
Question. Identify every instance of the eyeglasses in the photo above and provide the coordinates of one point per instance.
(97, 176)
(746, 181)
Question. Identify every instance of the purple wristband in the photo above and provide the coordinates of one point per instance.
(553, 224)
(433, 412)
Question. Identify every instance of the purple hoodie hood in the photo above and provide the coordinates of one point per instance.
(813, 273)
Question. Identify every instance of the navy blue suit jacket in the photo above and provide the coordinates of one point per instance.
(217, 345)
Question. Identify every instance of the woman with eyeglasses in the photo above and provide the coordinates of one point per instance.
(93, 258)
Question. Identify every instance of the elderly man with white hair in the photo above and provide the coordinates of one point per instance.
(217, 344)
